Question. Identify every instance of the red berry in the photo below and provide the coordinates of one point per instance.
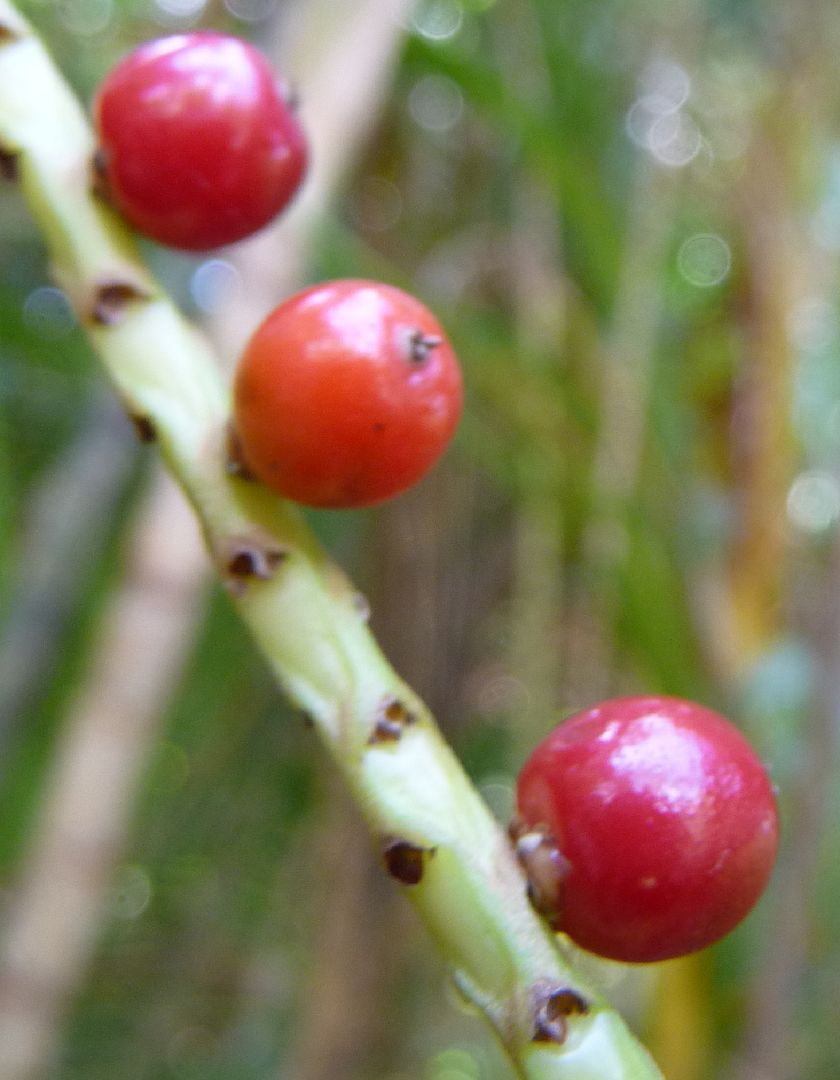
(648, 827)
(346, 395)
(198, 146)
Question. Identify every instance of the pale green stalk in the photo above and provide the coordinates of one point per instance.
(426, 817)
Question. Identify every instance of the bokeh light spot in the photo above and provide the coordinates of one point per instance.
(674, 139)
(85, 17)
(178, 10)
(665, 86)
(213, 284)
(436, 103)
(131, 893)
(438, 20)
(812, 324)
(813, 502)
(251, 11)
(704, 260)
(47, 312)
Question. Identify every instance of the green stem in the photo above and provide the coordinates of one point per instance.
(435, 834)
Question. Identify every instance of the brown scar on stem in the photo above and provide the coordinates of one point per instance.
(111, 300)
(8, 34)
(552, 1005)
(9, 166)
(143, 426)
(244, 558)
(404, 861)
(546, 869)
(391, 720)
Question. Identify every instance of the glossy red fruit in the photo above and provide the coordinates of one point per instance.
(198, 146)
(648, 827)
(346, 395)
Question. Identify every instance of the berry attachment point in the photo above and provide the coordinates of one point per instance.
(197, 144)
(346, 395)
(648, 828)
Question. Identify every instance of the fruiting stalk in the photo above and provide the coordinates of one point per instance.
(434, 832)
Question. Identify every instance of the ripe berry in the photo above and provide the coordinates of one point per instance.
(346, 395)
(648, 827)
(198, 146)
